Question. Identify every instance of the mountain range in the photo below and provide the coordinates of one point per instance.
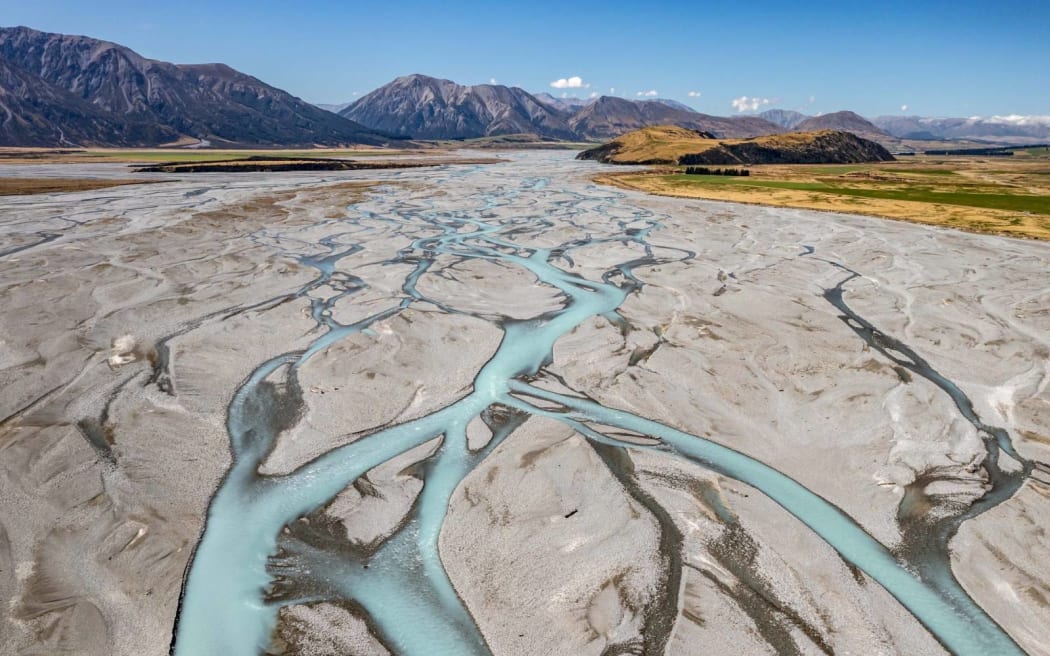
(999, 129)
(66, 90)
(63, 90)
(424, 107)
(1015, 129)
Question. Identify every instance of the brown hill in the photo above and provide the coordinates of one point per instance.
(668, 144)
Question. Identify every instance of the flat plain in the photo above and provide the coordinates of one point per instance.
(997, 195)
(592, 421)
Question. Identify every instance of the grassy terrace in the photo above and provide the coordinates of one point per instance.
(1007, 196)
(993, 198)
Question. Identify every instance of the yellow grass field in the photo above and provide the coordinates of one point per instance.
(997, 195)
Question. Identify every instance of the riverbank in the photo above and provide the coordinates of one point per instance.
(30, 186)
(271, 164)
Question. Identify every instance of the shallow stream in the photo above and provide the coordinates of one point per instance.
(229, 605)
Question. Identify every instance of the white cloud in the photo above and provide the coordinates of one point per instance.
(694, 94)
(574, 82)
(612, 90)
(1017, 119)
(594, 94)
(492, 80)
(904, 108)
(648, 94)
(749, 104)
(812, 99)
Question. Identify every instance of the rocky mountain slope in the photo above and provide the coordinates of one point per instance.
(609, 117)
(429, 108)
(147, 102)
(674, 103)
(785, 118)
(424, 107)
(34, 112)
(668, 144)
(563, 104)
(568, 103)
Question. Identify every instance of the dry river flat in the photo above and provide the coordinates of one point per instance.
(502, 409)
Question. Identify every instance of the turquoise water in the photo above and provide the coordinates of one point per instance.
(402, 585)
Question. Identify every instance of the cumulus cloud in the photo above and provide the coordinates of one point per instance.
(492, 80)
(904, 108)
(694, 94)
(574, 82)
(749, 104)
(648, 94)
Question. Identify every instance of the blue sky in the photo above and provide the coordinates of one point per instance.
(937, 58)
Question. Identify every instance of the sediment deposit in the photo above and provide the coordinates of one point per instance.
(503, 409)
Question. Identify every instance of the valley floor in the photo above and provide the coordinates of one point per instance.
(500, 408)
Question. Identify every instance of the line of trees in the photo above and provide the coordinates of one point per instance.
(984, 152)
(703, 170)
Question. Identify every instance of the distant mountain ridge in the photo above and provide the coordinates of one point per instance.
(571, 103)
(999, 129)
(335, 108)
(424, 107)
(1015, 129)
(563, 104)
(785, 118)
(844, 121)
(609, 117)
(137, 101)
